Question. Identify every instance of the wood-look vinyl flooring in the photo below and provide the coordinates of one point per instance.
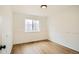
(41, 47)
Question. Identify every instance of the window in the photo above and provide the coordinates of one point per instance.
(31, 25)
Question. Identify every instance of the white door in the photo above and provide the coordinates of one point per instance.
(0, 32)
(5, 35)
(6, 30)
(6, 41)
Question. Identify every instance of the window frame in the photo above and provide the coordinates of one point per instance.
(33, 30)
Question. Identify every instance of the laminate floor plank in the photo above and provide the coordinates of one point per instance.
(41, 47)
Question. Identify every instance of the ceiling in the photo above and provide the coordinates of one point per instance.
(30, 9)
(36, 10)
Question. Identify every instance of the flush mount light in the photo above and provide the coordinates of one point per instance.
(43, 6)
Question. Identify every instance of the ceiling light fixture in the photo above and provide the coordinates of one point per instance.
(43, 6)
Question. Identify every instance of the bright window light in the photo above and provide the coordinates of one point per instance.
(31, 25)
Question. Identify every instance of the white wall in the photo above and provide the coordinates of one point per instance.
(20, 36)
(64, 25)
(6, 14)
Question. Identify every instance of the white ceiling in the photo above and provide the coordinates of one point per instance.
(30, 9)
(36, 10)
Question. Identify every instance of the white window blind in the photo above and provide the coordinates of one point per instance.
(31, 25)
